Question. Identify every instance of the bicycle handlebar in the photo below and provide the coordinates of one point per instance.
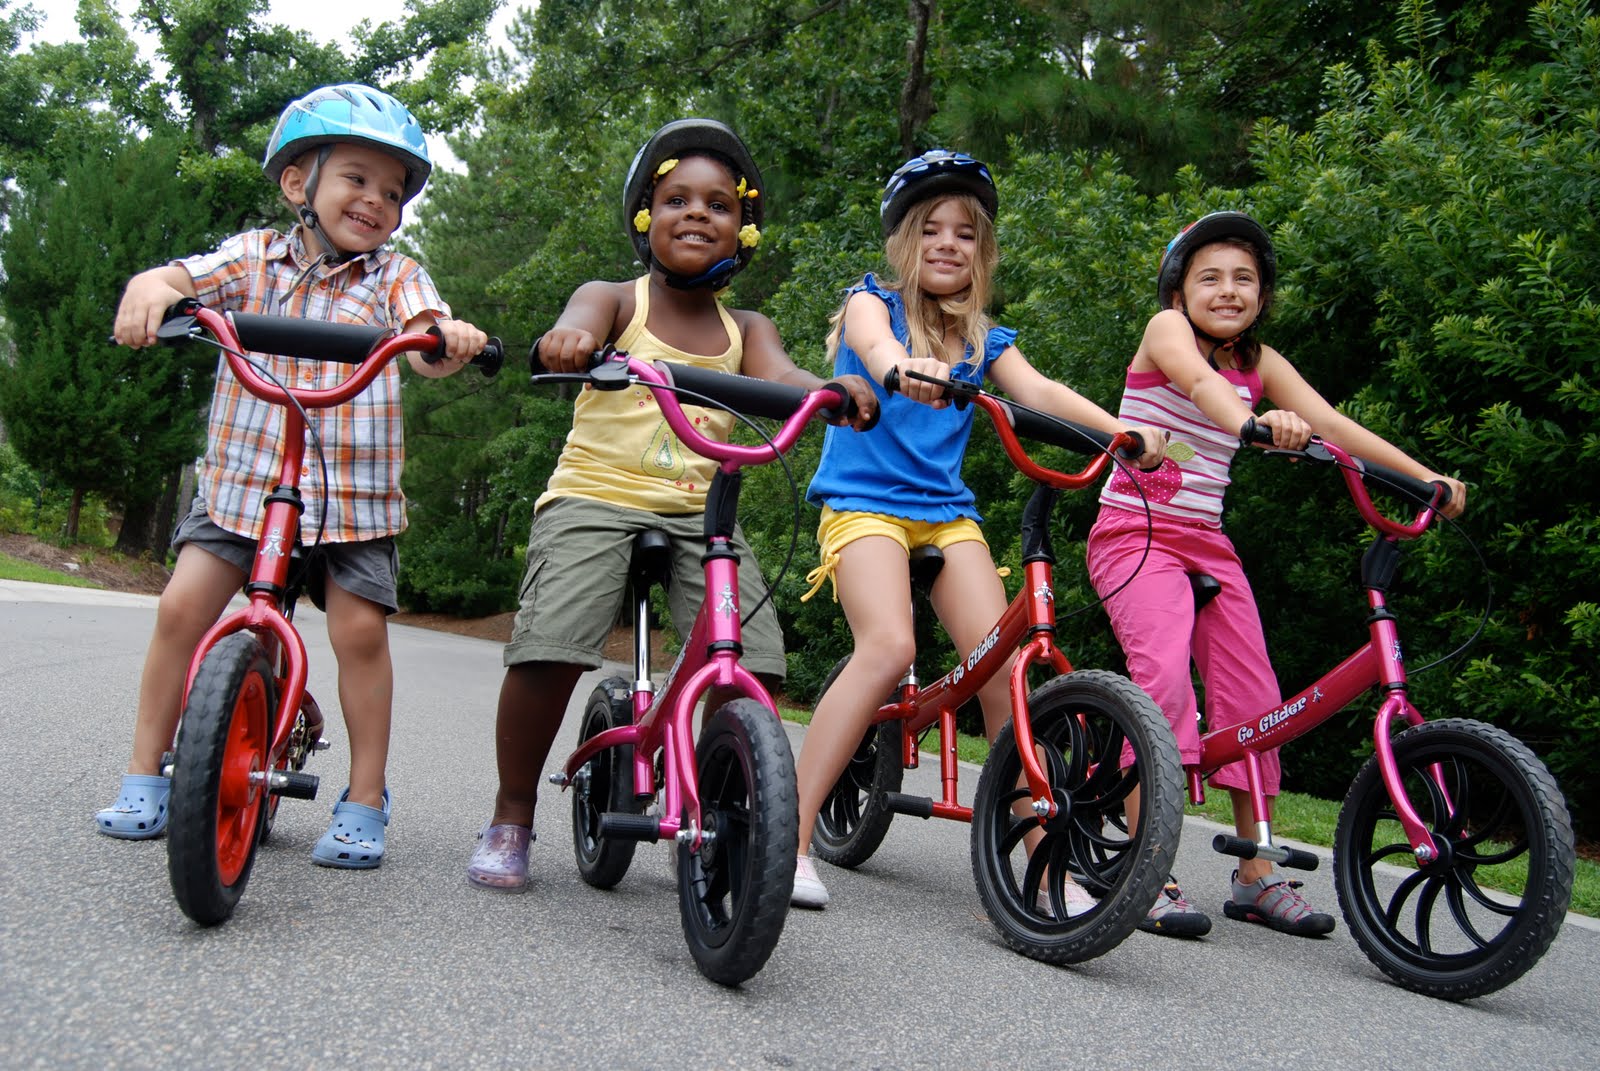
(312, 339)
(1355, 470)
(611, 369)
(324, 340)
(1012, 421)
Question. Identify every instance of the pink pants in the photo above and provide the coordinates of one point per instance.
(1155, 622)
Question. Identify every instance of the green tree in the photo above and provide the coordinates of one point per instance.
(101, 418)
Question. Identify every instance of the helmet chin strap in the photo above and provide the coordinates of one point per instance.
(1217, 343)
(716, 277)
(331, 254)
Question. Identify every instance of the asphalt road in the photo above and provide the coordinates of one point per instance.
(409, 966)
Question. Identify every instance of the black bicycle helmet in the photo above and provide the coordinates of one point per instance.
(935, 172)
(1216, 227)
(677, 138)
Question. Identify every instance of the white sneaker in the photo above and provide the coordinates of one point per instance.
(1077, 900)
(808, 888)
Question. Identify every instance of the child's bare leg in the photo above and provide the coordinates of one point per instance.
(874, 588)
(969, 599)
(1244, 823)
(533, 701)
(193, 599)
(359, 632)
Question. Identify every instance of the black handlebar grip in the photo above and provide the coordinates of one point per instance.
(743, 394)
(1421, 490)
(488, 361)
(849, 409)
(320, 340)
(1056, 432)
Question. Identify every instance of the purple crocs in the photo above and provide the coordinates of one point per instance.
(1277, 903)
(501, 858)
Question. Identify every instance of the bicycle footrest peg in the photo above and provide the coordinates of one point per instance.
(168, 760)
(320, 744)
(630, 826)
(904, 803)
(300, 786)
(558, 778)
(1240, 848)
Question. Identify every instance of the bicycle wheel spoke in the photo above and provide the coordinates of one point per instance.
(1424, 913)
(1458, 909)
(1397, 902)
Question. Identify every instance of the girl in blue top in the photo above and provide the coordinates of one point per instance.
(898, 486)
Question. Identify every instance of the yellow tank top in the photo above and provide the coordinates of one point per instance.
(620, 449)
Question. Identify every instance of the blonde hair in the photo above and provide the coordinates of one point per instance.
(925, 313)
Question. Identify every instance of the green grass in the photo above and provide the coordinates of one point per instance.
(1309, 820)
(17, 569)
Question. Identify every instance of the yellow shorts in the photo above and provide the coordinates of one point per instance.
(838, 530)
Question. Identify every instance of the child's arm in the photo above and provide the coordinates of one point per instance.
(586, 324)
(146, 300)
(462, 342)
(1013, 374)
(866, 322)
(1288, 390)
(1169, 346)
(765, 358)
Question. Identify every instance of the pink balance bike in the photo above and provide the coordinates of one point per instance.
(1457, 804)
(729, 803)
(1050, 801)
(248, 723)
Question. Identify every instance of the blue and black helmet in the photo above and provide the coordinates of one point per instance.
(933, 174)
(350, 113)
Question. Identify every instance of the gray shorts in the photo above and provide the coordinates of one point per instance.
(368, 568)
(577, 577)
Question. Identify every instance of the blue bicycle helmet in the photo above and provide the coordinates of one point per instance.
(679, 138)
(935, 172)
(350, 112)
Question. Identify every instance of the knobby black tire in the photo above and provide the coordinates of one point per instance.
(1080, 721)
(733, 894)
(1438, 932)
(855, 814)
(217, 808)
(604, 783)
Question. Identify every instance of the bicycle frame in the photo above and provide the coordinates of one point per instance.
(370, 349)
(1378, 662)
(1028, 623)
(710, 655)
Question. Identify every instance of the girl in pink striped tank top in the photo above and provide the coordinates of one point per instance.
(1199, 373)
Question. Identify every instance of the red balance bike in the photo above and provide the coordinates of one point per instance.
(1463, 809)
(248, 723)
(1050, 801)
(729, 802)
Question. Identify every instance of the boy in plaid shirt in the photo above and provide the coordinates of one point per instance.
(347, 158)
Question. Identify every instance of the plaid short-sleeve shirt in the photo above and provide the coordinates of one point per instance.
(362, 440)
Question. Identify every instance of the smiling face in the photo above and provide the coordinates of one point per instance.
(949, 243)
(695, 216)
(358, 194)
(1221, 290)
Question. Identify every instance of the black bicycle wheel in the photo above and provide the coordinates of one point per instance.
(219, 791)
(1492, 807)
(733, 893)
(855, 814)
(604, 783)
(1080, 722)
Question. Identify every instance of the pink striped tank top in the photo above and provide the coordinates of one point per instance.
(1193, 477)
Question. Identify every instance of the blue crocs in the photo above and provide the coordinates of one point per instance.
(141, 808)
(354, 840)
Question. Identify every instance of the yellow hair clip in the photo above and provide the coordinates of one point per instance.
(641, 220)
(666, 165)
